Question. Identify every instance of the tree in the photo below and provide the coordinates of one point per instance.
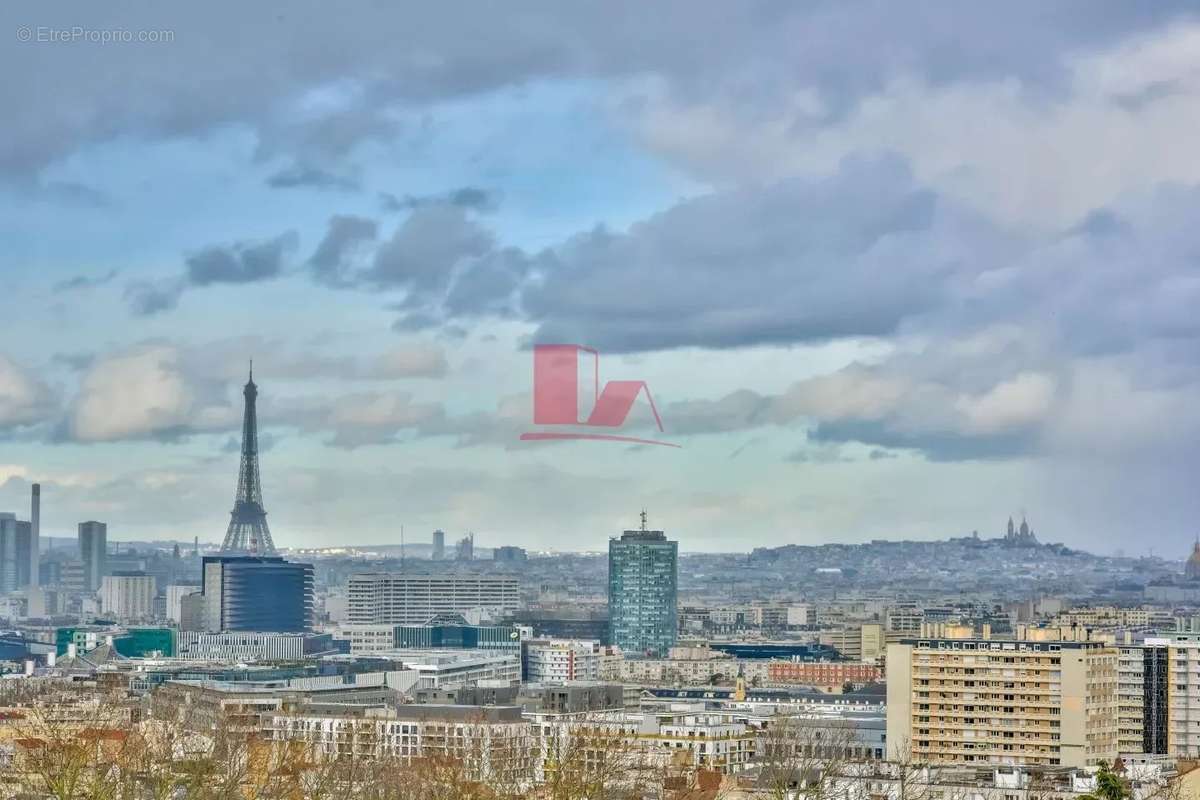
(1109, 786)
(799, 756)
(73, 748)
(591, 757)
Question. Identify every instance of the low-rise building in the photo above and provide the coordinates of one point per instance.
(829, 674)
(250, 645)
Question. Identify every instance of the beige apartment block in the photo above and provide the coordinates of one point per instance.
(856, 642)
(1180, 655)
(1131, 699)
(1046, 697)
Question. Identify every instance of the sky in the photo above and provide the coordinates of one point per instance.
(888, 270)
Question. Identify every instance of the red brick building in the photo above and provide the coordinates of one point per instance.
(823, 673)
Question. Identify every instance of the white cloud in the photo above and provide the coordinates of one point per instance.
(24, 400)
(418, 360)
(144, 393)
(1016, 403)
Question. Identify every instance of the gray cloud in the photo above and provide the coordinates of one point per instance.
(237, 263)
(74, 361)
(276, 62)
(346, 237)
(300, 176)
(240, 262)
(798, 261)
(69, 193)
(83, 282)
(425, 250)
(149, 297)
(801, 260)
(470, 197)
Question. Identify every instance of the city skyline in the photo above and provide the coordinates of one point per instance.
(864, 312)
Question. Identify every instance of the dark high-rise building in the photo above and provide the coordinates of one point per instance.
(35, 535)
(8, 552)
(24, 561)
(643, 577)
(256, 593)
(15, 541)
(93, 552)
(247, 587)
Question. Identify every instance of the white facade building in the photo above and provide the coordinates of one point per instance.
(558, 660)
(491, 743)
(403, 599)
(245, 645)
(128, 595)
(367, 639)
(439, 668)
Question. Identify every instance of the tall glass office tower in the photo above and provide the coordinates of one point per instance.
(643, 578)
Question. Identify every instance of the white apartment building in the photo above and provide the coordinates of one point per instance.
(379, 598)
(493, 744)
(128, 595)
(682, 672)
(558, 660)
(710, 740)
(1131, 700)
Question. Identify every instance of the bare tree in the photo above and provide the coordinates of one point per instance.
(798, 757)
(222, 770)
(72, 751)
(594, 756)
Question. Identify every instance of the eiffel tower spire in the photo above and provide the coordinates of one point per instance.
(248, 531)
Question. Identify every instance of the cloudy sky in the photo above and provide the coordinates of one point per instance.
(888, 269)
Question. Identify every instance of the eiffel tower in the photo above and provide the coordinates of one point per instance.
(248, 532)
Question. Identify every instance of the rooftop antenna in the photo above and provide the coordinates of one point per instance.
(643, 520)
(401, 547)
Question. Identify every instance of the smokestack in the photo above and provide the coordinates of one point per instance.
(35, 532)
